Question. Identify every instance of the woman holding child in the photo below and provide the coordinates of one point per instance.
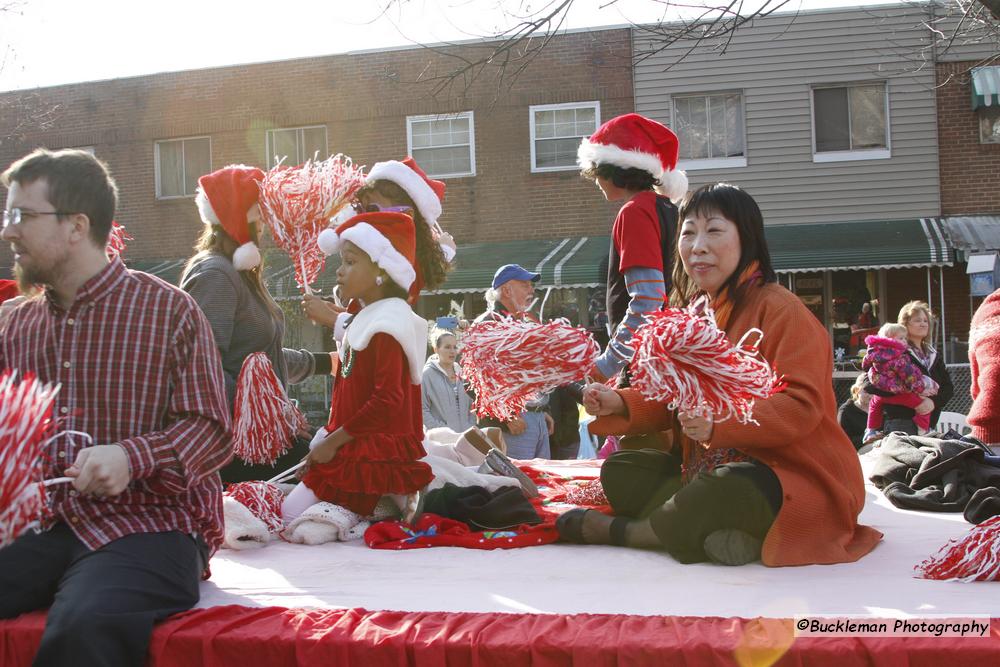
(788, 491)
(916, 316)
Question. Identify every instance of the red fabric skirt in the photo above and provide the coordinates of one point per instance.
(368, 468)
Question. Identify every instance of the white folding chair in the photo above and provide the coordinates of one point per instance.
(955, 420)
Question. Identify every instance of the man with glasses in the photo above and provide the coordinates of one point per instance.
(139, 373)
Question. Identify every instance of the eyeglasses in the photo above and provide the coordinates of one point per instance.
(16, 216)
(377, 208)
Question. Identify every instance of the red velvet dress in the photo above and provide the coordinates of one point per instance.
(376, 402)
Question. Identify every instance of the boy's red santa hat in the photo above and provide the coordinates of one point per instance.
(387, 237)
(634, 141)
(224, 198)
(427, 194)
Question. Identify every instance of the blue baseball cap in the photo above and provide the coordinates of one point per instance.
(509, 272)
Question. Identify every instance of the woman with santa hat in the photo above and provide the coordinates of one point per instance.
(225, 278)
(401, 185)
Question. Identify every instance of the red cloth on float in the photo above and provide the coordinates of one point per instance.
(250, 636)
(8, 290)
(376, 402)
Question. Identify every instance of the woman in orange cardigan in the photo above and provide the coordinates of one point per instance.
(788, 491)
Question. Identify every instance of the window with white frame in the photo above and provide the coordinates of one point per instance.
(179, 164)
(556, 131)
(443, 146)
(989, 125)
(850, 122)
(294, 145)
(709, 130)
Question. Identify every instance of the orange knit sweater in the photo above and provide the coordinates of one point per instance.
(798, 436)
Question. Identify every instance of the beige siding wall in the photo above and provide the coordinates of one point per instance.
(775, 62)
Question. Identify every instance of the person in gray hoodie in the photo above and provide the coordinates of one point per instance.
(445, 400)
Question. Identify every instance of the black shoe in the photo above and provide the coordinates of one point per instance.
(732, 547)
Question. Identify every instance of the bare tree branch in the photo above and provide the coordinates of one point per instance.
(506, 53)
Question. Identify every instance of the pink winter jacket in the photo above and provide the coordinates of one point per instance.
(891, 369)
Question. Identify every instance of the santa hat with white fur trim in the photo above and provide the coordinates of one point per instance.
(388, 238)
(224, 198)
(634, 141)
(427, 194)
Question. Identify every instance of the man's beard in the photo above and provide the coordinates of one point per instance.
(29, 282)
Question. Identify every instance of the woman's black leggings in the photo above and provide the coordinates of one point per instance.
(646, 483)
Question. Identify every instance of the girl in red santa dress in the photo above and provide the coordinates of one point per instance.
(372, 443)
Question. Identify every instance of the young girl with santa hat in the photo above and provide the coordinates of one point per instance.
(372, 443)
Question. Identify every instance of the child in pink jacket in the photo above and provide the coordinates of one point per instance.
(891, 369)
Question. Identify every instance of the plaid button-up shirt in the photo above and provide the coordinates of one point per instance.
(137, 367)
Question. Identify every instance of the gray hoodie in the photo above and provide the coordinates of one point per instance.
(443, 403)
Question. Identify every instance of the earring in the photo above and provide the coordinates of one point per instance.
(379, 280)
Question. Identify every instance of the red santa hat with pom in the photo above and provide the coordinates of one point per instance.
(387, 237)
(427, 194)
(634, 141)
(224, 198)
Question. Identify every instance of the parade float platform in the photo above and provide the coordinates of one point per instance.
(558, 604)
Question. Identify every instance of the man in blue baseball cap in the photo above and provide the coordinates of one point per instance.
(514, 287)
(511, 295)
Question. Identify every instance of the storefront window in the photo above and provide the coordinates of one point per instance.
(846, 302)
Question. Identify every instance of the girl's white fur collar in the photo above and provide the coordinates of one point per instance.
(394, 317)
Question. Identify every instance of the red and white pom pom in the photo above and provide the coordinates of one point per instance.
(264, 420)
(25, 426)
(684, 360)
(509, 362)
(263, 499)
(297, 203)
(117, 240)
(975, 557)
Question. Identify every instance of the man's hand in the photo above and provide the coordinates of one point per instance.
(600, 400)
(925, 408)
(517, 426)
(550, 424)
(100, 471)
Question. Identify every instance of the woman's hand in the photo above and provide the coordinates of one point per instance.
(601, 400)
(320, 311)
(697, 427)
(925, 408)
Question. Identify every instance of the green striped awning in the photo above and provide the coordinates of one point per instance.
(564, 262)
(582, 261)
(986, 87)
(873, 244)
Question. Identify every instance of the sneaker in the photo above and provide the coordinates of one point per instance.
(732, 547)
(501, 465)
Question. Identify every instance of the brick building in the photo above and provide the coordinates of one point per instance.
(507, 154)
(969, 138)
